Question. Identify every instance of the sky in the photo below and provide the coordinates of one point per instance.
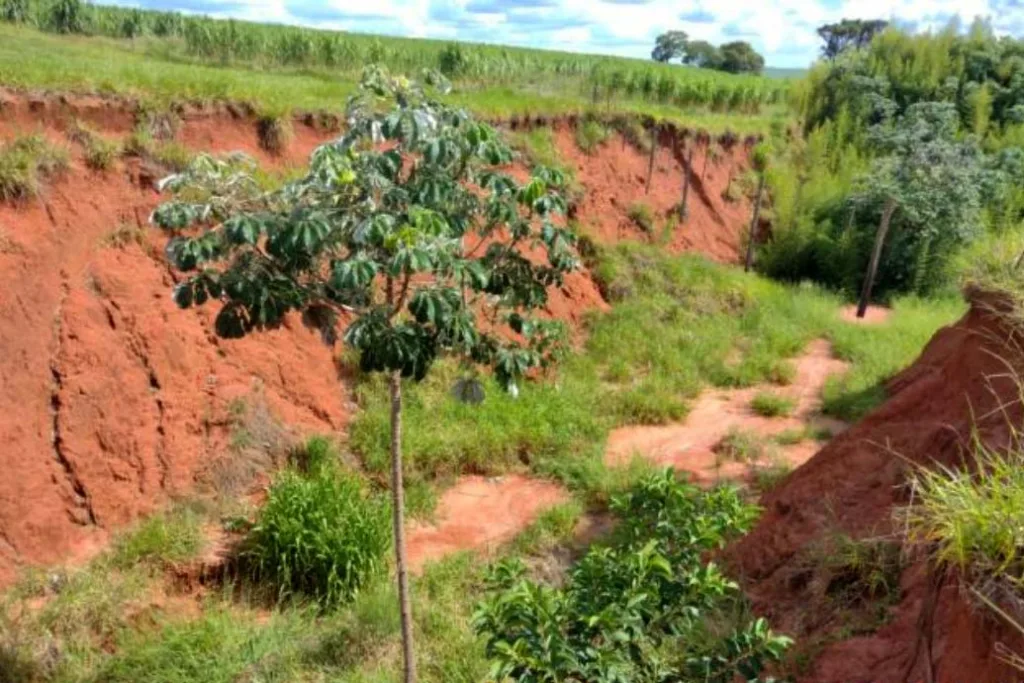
(782, 30)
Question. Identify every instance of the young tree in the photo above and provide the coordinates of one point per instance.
(668, 46)
(761, 158)
(404, 233)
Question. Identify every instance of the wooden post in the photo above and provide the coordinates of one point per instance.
(687, 170)
(753, 224)
(876, 255)
(650, 163)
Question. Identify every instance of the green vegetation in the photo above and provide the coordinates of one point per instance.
(743, 446)
(167, 538)
(930, 123)
(734, 57)
(973, 516)
(640, 214)
(637, 609)
(590, 135)
(26, 162)
(319, 535)
(772, 405)
(275, 132)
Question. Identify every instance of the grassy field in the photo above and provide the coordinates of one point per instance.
(30, 59)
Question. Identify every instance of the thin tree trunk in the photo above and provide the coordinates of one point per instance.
(753, 225)
(876, 254)
(687, 170)
(398, 515)
(650, 162)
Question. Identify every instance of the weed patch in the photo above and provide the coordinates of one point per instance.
(274, 132)
(641, 216)
(167, 538)
(26, 163)
(772, 405)
(590, 135)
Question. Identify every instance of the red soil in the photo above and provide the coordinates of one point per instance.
(111, 399)
(615, 177)
(852, 487)
(690, 446)
(481, 513)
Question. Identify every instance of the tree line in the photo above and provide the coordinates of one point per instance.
(735, 57)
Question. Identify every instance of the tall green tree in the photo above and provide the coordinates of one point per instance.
(405, 238)
(847, 34)
(668, 46)
(703, 54)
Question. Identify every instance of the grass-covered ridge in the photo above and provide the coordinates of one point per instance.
(30, 59)
(678, 324)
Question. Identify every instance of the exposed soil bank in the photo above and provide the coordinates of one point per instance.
(852, 487)
(113, 401)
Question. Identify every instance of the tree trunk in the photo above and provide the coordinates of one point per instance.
(398, 515)
(687, 170)
(753, 225)
(876, 254)
(650, 162)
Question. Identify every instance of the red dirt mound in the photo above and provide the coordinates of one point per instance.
(615, 178)
(111, 399)
(852, 487)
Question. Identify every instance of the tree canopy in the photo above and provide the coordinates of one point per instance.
(735, 57)
(848, 33)
(669, 46)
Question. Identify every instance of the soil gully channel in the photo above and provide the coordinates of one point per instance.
(691, 446)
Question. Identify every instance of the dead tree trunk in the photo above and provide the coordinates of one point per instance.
(876, 254)
(687, 170)
(650, 162)
(753, 225)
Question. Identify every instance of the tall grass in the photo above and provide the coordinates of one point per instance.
(319, 535)
(26, 163)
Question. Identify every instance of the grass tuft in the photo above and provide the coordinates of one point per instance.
(26, 162)
(274, 132)
(590, 135)
(768, 404)
(163, 539)
(641, 215)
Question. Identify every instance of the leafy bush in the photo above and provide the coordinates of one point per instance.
(640, 214)
(771, 405)
(320, 535)
(636, 610)
(25, 163)
(590, 134)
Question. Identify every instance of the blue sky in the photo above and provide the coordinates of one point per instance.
(783, 30)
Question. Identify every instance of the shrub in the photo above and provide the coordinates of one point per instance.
(636, 607)
(25, 163)
(275, 132)
(772, 405)
(320, 536)
(590, 134)
(641, 215)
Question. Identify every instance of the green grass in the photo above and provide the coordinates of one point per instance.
(590, 135)
(974, 518)
(679, 324)
(641, 215)
(768, 404)
(33, 60)
(167, 538)
(743, 446)
(26, 163)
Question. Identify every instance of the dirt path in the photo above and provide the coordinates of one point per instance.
(480, 513)
(691, 445)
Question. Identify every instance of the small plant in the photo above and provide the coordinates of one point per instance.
(862, 571)
(768, 477)
(733, 192)
(320, 535)
(25, 163)
(126, 234)
(772, 405)
(740, 445)
(640, 214)
(314, 456)
(791, 437)
(590, 134)
(173, 156)
(100, 153)
(139, 143)
(275, 132)
(635, 608)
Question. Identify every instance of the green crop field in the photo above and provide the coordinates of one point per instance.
(167, 55)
